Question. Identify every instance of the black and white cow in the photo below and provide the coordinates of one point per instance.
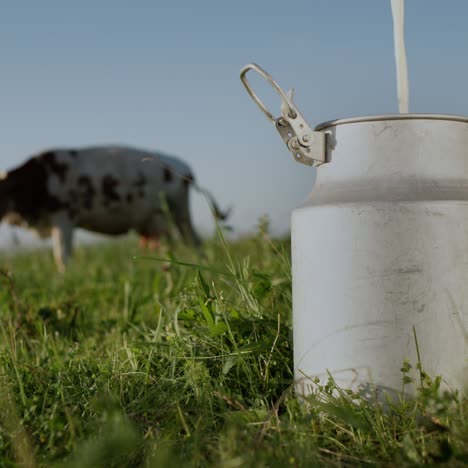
(105, 189)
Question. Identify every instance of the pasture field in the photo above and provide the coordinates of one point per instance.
(128, 361)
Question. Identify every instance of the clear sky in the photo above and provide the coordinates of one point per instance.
(165, 76)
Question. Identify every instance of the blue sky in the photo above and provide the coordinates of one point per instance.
(165, 76)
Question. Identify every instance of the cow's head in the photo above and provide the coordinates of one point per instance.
(5, 199)
(23, 193)
(13, 193)
(8, 211)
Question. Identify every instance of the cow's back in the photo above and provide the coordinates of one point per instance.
(107, 189)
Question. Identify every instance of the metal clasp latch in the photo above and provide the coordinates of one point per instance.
(306, 145)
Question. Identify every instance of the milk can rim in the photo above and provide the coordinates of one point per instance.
(383, 117)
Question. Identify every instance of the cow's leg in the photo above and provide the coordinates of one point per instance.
(186, 229)
(152, 230)
(62, 238)
(183, 221)
(143, 241)
(150, 241)
(154, 243)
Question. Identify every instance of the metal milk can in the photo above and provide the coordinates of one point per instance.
(379, 248)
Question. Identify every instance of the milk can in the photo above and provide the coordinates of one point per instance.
(379, 248)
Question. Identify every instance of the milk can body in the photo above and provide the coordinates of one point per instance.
(380, 255)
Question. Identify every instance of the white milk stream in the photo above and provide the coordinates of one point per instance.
(400, 54)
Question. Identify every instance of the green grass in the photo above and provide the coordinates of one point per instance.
(129, 361)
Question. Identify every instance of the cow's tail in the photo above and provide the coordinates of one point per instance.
(221, 215)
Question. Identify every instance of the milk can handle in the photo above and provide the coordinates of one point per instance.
(307, 146)
(273, 83)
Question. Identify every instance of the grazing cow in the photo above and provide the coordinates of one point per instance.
(107, 189)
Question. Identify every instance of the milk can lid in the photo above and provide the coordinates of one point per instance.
(375, 118)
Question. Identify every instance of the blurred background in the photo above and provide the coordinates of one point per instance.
(165, 76)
